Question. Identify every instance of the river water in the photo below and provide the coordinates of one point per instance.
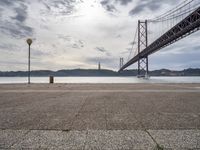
(10, 80)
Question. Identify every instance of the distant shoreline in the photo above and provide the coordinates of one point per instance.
(90, 76)
(99, 73)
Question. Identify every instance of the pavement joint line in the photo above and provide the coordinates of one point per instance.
(85, 142)
(154, 140)
(105, 113)
(77, 114)
(145, 130)
(66, 130)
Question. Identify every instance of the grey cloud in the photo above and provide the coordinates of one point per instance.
(64, 37)
(175, 61)
(149, 4)
(16, 30)
(47, 6)
(181, 49)
(54, 45)
(60, 7)
(196, 48)
(78, 45)
(119, 36)
(138, 9)
(13, 62)
(103, 50)
(177, 56)
(72, 42)
(105, 2)
(124, 2)
(108, 6)
(6, 2)
(15, 25)
(81, 43)
(5, 46)
(21, 13)
(39, 53)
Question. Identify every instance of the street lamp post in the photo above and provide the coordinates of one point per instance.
(29, 42)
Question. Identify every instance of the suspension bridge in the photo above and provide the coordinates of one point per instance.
(161, 32)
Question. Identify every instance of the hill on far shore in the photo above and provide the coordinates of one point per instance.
(94, 72)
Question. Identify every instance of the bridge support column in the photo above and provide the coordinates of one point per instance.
(143, 68)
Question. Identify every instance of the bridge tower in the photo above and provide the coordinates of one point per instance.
(143, 66)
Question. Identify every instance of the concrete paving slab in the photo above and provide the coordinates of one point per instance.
(127, 121)
(41, 139)
(161, 121)
(76, 141)
(86, 121)
(47, 124)
(119, 139)
(177, 139)
(58, 110)
(93, 107)
(10, 137)
(35, 120)
(100, 139)
(117, 105)
(163, 102)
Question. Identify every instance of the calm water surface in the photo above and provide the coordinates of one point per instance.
(10, 80)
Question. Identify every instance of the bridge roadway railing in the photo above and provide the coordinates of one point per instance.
(184, 28)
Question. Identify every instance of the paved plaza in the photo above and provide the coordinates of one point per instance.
(100, 116)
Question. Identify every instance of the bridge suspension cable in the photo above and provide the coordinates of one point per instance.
(133, 51)
(183, 8)
(161, 24)
(175, 16)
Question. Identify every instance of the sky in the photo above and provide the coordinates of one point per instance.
(71, 34)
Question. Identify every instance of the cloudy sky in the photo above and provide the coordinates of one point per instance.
(70, 34)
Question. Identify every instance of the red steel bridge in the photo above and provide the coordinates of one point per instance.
(174, 25)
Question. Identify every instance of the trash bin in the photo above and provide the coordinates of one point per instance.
(51, 79)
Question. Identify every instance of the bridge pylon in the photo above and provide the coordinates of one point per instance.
(143, 65)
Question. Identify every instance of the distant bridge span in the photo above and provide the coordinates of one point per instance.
(187, 26)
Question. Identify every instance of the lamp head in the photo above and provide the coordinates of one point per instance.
(29, 41)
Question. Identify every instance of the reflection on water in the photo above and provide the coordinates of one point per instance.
(101, 80)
